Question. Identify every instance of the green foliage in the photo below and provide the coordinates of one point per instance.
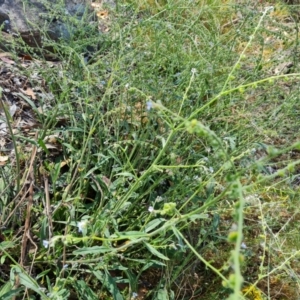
(169, 141)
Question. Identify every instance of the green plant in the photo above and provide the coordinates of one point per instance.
(170, 147)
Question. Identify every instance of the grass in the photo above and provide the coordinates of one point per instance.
(166, 166)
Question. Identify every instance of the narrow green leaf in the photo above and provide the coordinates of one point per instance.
(150, 264)
(84, 290)
(9, 295)
(31, 284)
(92, 250)
(6, 245)
(69, 146)
(153, 224)
(2, 259)
(29, 101)
(177, 235)
(43, 146)
(129, 235)
(26, 280)
(110, 283)
(75, 129)
(5, 289)
(198, 216)
(155, 252)
(126, 174)
(162, 294)
(42, 274)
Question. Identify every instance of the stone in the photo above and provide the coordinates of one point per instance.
(33, 20)
(5, 22)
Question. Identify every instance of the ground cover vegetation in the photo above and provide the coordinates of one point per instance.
(162, 157)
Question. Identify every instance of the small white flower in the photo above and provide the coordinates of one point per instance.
(126, 85)
(211, 169)
(173, 246)
(151, 209)
(134, 295)
(81, 225)
(65, 266)
(158, 199)
(46, 243)
(269, 8)
(243, 246)
(149, 105)
(194, 71)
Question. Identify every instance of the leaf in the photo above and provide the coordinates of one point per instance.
(175, 230)
(5, 288)
(151, 263)
(69, 147)
(126, 174)
(33, 142)
(112, 287)
(6, 245)
(147, 263)
(3, 160)
(29, 92)
(153, 224)
(29, 101)
(84, 290)
(28, 282)
(42, 274)
(92, 250)
(10, 295)
(109, 283)
(75, 129)
(129, 235)
(12, 110)
(198, 216)
(7, 292)
(162, 294)
(2, 259)
(4, 57)
(43, 146)
(155, 252)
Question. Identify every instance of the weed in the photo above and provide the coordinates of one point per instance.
(167, 165)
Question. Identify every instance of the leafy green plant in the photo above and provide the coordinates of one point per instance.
(170, 147)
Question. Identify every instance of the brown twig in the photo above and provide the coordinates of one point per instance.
(26, 235)
(27, 178)
(48, 208)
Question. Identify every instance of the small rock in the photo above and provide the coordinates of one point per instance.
(283, 68)
(5, 22)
